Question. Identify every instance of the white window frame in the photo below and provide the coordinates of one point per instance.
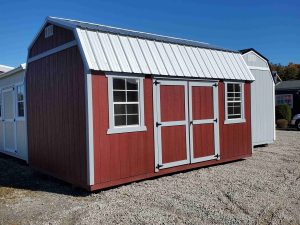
(237, 120)
(19, 118)
(130, 128)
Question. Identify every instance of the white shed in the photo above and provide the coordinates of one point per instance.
(13, 131)
(262, 98)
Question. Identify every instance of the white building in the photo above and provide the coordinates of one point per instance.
(13, 131)
(262, 98)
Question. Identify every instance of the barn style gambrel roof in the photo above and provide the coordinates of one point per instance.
(111, 49)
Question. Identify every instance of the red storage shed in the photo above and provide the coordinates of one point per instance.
(107, 106)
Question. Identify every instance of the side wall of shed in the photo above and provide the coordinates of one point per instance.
(127, 157)
(262, 100)
(56, 114)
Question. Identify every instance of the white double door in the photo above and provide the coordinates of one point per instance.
(8, 119)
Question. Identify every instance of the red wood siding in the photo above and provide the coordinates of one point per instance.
(60, 36)
(56, 116)
(202, 98)
(119, 156)
(127, 157)
(235, 139)
(172, 104)
(173, 143)
(203, 140)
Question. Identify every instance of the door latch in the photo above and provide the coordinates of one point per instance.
(158, 124)
(216, 120)
(191, 122)
(215, 85)
(217, 156)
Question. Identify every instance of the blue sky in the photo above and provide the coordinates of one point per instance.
(271, 27)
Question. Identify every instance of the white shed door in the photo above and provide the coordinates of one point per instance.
(8, 119)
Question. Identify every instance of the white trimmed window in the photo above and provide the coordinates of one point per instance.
(234, 102)
(20, 101)
(126, 104)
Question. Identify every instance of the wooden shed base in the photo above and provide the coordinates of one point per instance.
(164, 172)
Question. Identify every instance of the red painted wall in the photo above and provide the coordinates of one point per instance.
(127, 157)
(235, 139)
(119, 156)
(56, 122)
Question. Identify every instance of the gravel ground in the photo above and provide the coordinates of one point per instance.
(264, 189)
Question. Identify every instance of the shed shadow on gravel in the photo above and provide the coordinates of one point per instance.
(16, 174)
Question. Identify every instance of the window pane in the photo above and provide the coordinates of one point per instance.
(133, 120)
(132, 96)
(119, 109)
(118, 83)
(237, 87)
(132, 84)
(234, 116)
(20, 91)
(230, 88)
(119, 96)
(120, 120)
(132, 109)
(230, 110)
(20, 109)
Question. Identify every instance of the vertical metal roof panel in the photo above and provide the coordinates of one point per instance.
(148, 56)
(130, 55)
(240, 60)
(214, 64)
(109, 52)
(190, 53)
(139, 55)
(118, 49)
(226, 70)
(98, 52)
(119, 53)
(188, 61)
(165, 58)
(157, 58)
(172, 57)
(181, 61)
(87, 48)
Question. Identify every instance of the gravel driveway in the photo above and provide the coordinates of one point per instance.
(264, 189)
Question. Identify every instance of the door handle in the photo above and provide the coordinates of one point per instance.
(191, 122)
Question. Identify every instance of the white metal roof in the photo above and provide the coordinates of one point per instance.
(21, 67)
(118, 50)
(4, 68)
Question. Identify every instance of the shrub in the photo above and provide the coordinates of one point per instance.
(282, 123)
(283, 112)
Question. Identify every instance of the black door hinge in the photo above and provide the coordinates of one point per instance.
(158, 124)
(156, 82)
(217, 156)
(159, 166)
(215, 84)
(216, 120)
(191, 122)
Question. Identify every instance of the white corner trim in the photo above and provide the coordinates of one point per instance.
(52, 51)
(89, 130)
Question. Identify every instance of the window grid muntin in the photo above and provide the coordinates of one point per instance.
(126, 103)
(235, 101)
